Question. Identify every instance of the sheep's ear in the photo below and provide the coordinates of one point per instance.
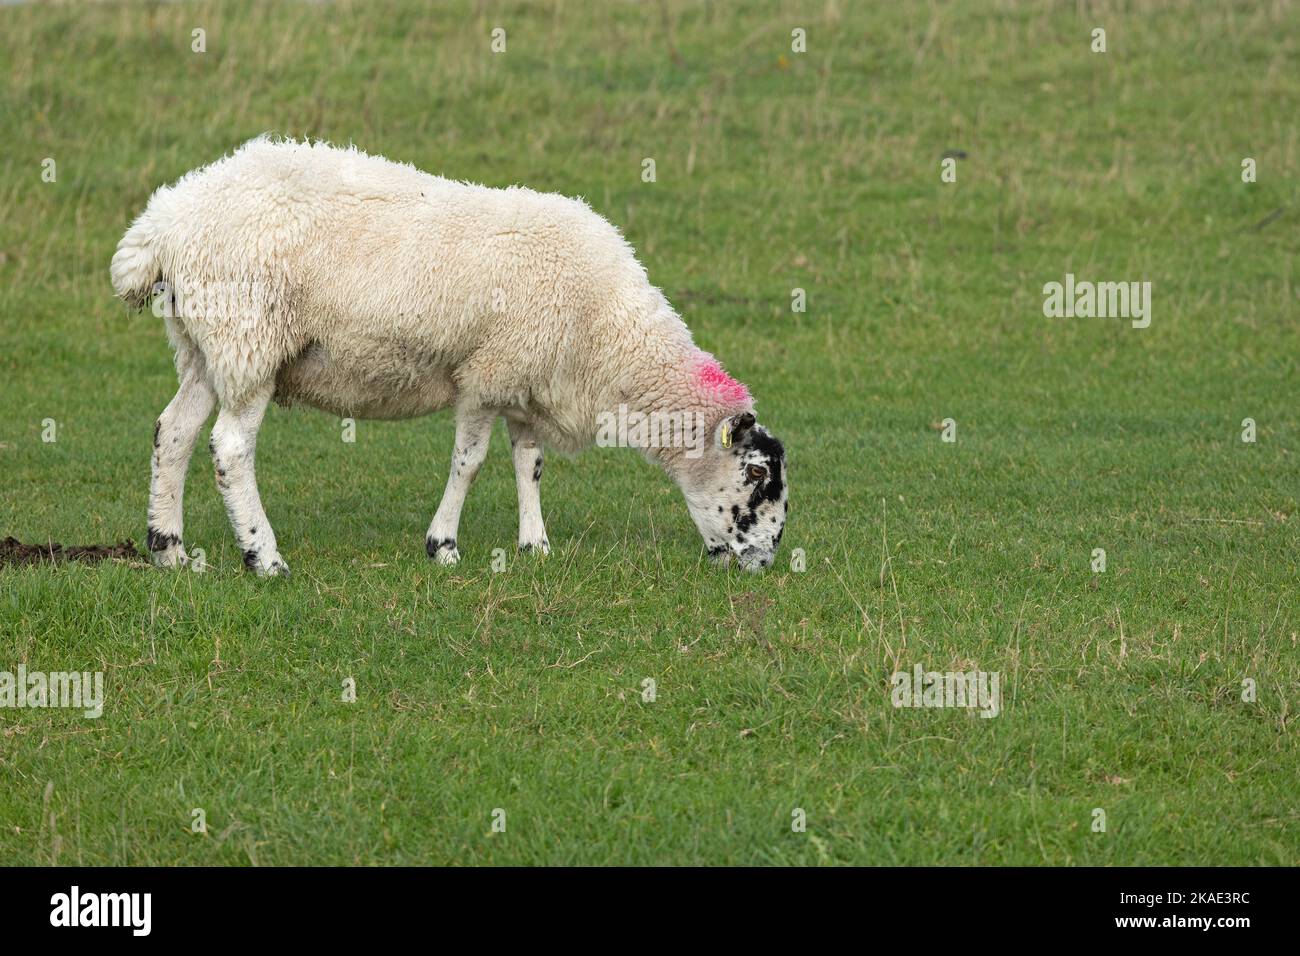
(732, 430)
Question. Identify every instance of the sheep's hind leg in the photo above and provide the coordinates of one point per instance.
(174, 436)
(234, 441)
(526, 450)
(473, 430)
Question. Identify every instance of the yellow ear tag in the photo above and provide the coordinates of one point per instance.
(726, 434)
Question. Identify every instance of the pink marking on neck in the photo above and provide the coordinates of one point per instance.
(713, 379)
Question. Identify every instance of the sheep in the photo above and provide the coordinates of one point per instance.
(311, 274)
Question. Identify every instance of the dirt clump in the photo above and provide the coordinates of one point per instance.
(14, 552)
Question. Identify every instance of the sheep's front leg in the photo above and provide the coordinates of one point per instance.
(234, 441)
(174, 436)
(526, 450)
(473, 430)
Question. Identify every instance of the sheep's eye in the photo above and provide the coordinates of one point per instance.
(757, 472)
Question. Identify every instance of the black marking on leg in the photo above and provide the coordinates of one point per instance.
(158, 541)
(717, 551)
(541, 547)
(537, 468)
(157, 430)
(433, 545)
(250, 559)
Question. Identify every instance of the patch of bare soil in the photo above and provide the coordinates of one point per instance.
(14, 552)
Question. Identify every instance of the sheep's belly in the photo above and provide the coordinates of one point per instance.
(374, 380)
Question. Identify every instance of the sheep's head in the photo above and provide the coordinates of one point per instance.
(737, 493)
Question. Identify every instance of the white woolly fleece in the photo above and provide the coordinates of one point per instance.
(371, 289)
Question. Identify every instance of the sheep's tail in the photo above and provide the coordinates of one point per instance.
(135, 267)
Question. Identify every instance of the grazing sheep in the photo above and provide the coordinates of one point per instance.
(323, 276)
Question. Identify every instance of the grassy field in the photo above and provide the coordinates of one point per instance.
(776, 170)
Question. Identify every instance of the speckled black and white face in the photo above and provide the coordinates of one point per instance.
(738, 495)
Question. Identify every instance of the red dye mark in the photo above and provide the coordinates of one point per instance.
(714, 379)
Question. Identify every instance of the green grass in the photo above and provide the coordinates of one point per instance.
(522, 690)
